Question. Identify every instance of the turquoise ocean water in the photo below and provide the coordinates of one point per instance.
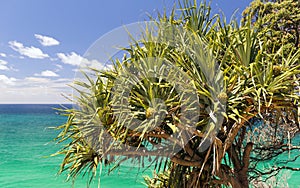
(25, 143)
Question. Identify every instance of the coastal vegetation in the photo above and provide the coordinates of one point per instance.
(207, 100)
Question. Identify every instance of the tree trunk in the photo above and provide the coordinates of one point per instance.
(243, 173)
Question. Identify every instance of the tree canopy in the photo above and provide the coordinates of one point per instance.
(279, 22)
(205, 100)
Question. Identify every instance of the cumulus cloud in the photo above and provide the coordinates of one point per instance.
(7, 81)
(71, 59)
(47, 73)
(79, 61)
(46, 40)
(3, 65)
(2, 54)
(31, 51)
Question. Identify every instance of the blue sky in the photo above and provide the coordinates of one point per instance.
(40, 41)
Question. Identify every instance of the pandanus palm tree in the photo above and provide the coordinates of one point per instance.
(203, 99)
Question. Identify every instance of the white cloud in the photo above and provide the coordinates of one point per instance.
(2, 54)
(47, 73)
(7, 81)
(36, 80)
(61, 83)
(59, 66)
(71, 59)
(34, 90)
(46, 40)
(3, 65)
(79, 61)
(31, 51)
(53, 59)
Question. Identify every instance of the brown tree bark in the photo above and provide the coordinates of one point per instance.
(243, 173)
